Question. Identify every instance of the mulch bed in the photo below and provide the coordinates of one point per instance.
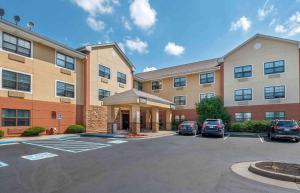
(279, 167)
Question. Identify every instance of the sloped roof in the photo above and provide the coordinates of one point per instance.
(190, 68)
(132, 96)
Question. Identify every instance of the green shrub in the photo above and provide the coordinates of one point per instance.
(253, 126)
(75, 129)
(33, 131)
(1, 134)
(175, 125)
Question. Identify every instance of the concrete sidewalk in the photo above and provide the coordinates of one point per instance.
(150, 135)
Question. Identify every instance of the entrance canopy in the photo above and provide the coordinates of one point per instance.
(135, 96)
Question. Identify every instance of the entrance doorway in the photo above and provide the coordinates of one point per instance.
(125, 121)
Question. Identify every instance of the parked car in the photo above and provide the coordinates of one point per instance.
(213, 127)
(284, 129)
(188, 127)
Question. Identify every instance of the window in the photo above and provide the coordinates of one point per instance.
(274, 115)
(179, 118)
(17, 45)
(179, 82)
(16, 81)
(274, 67)
(121, 78)
(156, 85)
(138, 85)
(104, 71)
(65, 90)
(273, 92)
(243, 94)
(103, 94)
(241, 117)
(243, 71)
(65, 61)
(206, 95)
(207, 78)
(14, 117)
(180, 100)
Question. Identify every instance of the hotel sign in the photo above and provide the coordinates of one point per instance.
(143, 100)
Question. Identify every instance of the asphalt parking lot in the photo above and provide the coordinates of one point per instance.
(168, 164)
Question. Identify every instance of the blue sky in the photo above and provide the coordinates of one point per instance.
(159, 33)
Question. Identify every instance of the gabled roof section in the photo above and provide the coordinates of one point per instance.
(114, 44)
(30, 35)
(180, 70)
(260, 36)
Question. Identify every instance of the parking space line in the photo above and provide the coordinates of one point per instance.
(225, 138)
(39, 156)
(2, 164)
(261, 139)
(117, 141)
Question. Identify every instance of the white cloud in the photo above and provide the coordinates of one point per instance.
(290, 27)
(148, 69)
(142, 14)
(243, 23)
(126, 24)
(172, 49)
(266, 10)
(137, 45)
(96, 25)
(94, 7)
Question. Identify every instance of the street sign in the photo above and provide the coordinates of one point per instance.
(59, 116)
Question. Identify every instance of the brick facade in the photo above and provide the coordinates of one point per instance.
(96, 119)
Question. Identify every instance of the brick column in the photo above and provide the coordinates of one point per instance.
(135, 119)
(155, 120)
(169, 119)
(111, 116)
(148, 119)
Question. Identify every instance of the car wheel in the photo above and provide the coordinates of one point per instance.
(297, 140)
(179, 133)
(203, 134)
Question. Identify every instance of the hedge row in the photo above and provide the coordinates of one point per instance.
(252, 126)
(1, 134)
(75, 129)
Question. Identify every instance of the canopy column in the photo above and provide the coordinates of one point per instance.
(135, 114)
(155, 119)
(168, 119)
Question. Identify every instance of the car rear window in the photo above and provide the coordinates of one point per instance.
(286, 123)
(212, 122)
(186, 123)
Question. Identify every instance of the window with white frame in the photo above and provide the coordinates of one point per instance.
(104, 71)
(103, 93)
(179, 118)
(241, 117)
(243, 94)
(180, 100)
(65, 61)
(206, 78)
(65, 89)
(16, 45)
(206, 95)
(179, 82)
(16, 81)
(273, 92)
(243, 71)
(121, 78)
(15, 117)
(274, 67)
(274, 115)
(156, 85)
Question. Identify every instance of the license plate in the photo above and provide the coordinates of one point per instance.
(211, 127)
(286, 130)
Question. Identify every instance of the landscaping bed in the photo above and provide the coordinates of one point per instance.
(279, 167)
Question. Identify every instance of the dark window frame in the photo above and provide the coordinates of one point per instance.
(104, 71)
(66, 64)
(66, 91)
(274, 94)
(179, 82)
(276, 115)
(16, 45)
(244, 73)
(103, 94)
(18, 82)
(274, 69)
(156, 85)
(243, 118)
(204, 79)
(121, 78)
(243, 96)
(15, 120)
(181, 100)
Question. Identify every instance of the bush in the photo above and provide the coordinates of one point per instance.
(33, 131)
(175, 125)
(1, 134)
(75, 129)
(212, 108)
(254, 126)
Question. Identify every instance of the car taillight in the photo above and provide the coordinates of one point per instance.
(298, 128)
(204, 125)
(219, 126)
(274, 128)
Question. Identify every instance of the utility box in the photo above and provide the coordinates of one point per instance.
(114, 128)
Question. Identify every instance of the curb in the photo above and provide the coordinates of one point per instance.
(8, 142)
(101, 135)
(242, 134)
(273, 175)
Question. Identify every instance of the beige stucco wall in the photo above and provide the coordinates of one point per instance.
(110, 57)
(44, 74)
(271, 50)
(191, 91)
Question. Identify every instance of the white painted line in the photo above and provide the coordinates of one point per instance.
(39, 156)
(2, 164)
(117, 141)
(261, 139)
(226, 137)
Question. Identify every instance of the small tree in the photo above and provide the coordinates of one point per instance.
(212, 108)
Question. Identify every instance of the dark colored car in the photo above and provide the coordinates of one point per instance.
(213, 127)
(284, 129)
(188, 127)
